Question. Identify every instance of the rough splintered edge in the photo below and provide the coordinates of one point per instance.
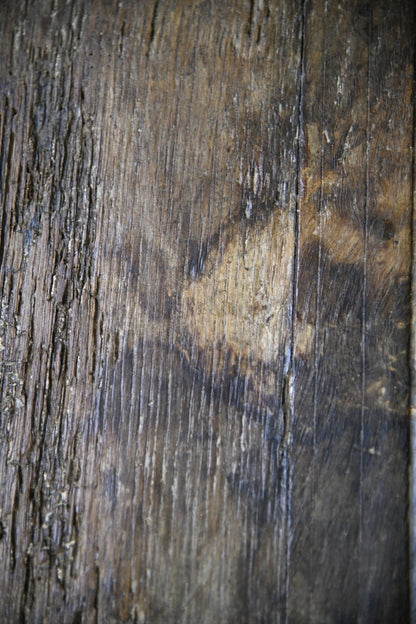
(412, 425)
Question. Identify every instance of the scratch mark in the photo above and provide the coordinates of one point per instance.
(152, 26)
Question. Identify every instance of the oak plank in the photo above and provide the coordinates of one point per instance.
(351, 392)
(205, 310)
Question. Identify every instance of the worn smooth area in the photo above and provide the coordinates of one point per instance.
(206, 235)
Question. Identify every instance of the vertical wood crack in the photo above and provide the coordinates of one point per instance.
(291, 372)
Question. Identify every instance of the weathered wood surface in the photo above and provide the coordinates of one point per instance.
(205, 317)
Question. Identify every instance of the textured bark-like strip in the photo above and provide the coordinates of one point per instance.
(412, 467)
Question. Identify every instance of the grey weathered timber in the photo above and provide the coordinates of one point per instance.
(206, 308)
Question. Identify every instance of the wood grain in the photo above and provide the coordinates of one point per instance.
(206, 234)
(353, 289)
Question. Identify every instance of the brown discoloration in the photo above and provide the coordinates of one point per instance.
(232, 310)
(205, 310)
